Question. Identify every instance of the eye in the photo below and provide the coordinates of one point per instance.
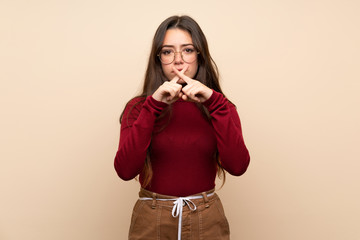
(188, 50)
(166, 52)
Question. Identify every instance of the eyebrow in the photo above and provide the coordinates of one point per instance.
(182, 45)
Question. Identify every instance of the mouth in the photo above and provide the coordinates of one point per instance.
(179, 69)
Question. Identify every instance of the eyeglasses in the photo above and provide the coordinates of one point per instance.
(188, 54)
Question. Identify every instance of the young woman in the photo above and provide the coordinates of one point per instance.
(177, 135)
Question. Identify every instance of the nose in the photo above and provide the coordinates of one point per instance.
(178, 57)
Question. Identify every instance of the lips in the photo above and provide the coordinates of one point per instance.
(180, 69)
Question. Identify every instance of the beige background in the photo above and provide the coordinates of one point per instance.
(67, 68)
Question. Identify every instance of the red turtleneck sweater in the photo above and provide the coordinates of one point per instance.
(182, 146)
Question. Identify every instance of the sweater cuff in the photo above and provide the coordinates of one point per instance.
(154, 106)
(214, 100)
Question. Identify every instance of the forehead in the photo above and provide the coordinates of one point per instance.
(177, 37)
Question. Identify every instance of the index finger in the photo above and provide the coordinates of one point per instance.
(176, 78)
(182, 75)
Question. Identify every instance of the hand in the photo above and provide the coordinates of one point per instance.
(169, 91)
(194, 90)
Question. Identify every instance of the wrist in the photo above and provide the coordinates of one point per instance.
(157, 102)
(211, 99)
(208, 94)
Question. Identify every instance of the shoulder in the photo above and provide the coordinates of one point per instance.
(218, 101)
(231, 104)
(135, 102)
(132, 108)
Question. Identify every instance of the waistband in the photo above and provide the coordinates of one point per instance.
(178, 202)
(148, 194)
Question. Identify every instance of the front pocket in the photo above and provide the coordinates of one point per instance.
(143, 221)
(137, 208)
(214, 225)
(220, 208)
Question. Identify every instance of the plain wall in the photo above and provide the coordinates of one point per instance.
(67, 68)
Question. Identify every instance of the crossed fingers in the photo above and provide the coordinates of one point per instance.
(174, 89)
(194, 90)
(179, 74)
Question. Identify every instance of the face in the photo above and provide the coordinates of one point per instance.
(179, 41)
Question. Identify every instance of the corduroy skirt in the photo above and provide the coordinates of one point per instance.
(161, 217)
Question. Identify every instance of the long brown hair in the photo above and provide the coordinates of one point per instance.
(207, 74)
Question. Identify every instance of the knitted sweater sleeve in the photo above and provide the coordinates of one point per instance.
(234, 156)
(135, 135)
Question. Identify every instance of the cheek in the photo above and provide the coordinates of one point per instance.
(166, 70)
(194, 68)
